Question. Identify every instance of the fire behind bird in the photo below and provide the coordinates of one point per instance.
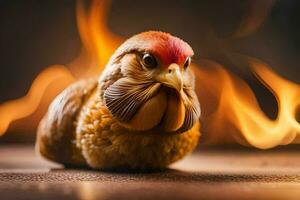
(141, 113)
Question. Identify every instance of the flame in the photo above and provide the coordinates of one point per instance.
(99, 43)
(98, 40)
(232, 113)
(26, 105)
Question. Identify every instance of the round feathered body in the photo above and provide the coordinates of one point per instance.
(141, 113)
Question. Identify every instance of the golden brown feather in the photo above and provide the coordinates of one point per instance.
(142, 113)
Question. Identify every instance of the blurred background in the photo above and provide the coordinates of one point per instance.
(35, 34)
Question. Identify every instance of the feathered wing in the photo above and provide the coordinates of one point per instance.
(56, 130)
(192, 108)
(126, 96)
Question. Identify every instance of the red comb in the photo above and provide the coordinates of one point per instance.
(169, 49)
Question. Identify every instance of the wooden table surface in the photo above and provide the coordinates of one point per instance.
(207, 174)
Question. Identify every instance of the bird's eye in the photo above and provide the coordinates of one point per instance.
(187, 63)
(149, 61)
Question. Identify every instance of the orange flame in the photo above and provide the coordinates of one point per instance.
(98, 40)
(99, 44)
(232, 112)
(19, 108)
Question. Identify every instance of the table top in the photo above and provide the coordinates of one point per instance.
(206, 174)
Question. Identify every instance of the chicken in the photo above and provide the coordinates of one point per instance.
(142, 112)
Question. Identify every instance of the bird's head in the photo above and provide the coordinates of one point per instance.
(148, 84)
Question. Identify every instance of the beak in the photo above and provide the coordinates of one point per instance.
(172, 77)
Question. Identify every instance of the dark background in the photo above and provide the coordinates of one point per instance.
(35, 34)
